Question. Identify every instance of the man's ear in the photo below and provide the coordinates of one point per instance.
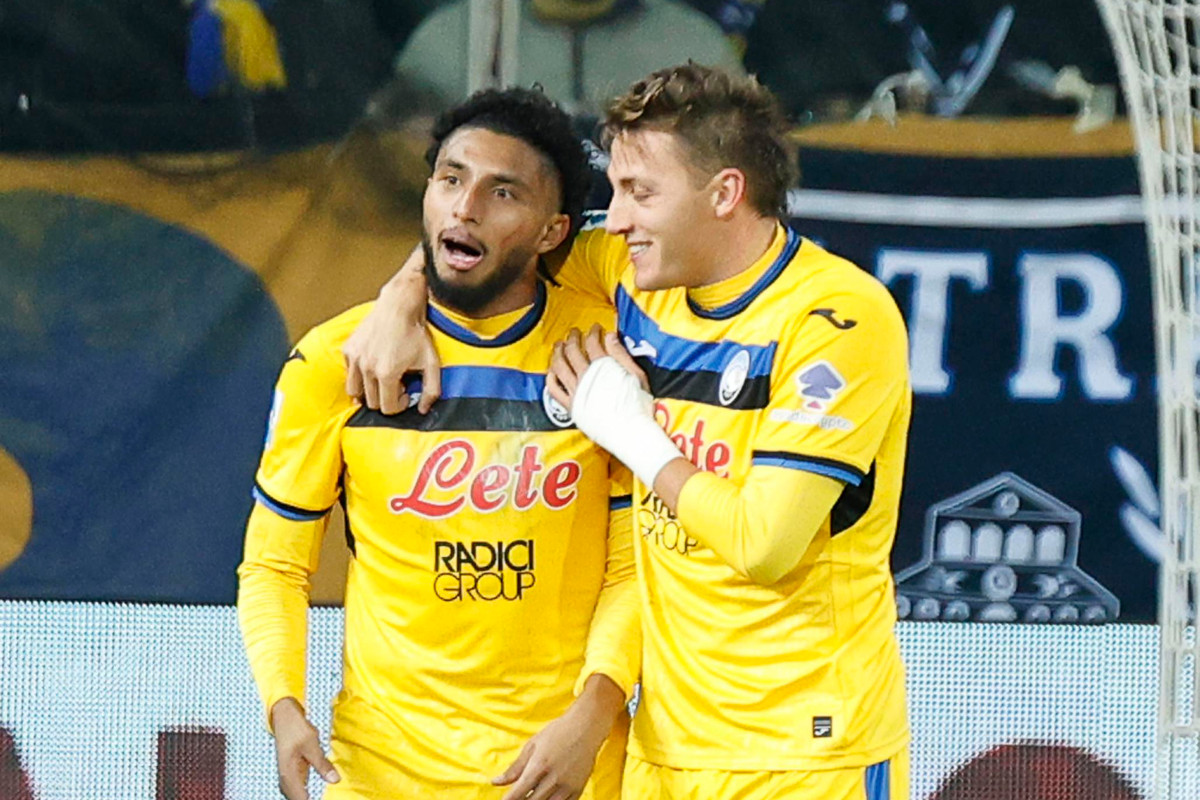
(727, 189)
(556, 231)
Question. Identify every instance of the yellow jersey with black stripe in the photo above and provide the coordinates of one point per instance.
(487, 577)
(797, 363)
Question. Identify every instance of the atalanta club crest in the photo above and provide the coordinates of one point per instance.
(734, 377)
(559, 415)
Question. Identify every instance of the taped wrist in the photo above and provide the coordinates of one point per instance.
(613, 410)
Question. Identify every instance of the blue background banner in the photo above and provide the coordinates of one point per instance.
(1026, 286)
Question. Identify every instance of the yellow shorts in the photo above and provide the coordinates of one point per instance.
(887, 780)
(371, 774)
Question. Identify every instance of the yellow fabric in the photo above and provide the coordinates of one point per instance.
(451, 662)
(488, 327)
(401, 783)
(251, 51)
(763, 528)
(722, 292)
(645, 781)
(735, 674)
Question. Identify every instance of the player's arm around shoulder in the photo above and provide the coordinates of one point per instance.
(595, 262)
(392, 340)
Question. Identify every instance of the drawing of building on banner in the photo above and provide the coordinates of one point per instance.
(1002, 551)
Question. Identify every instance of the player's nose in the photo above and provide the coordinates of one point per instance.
(617, 221)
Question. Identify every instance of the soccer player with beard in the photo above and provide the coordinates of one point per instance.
(491, 629)
(768, 451)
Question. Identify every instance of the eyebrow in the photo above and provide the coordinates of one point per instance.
(630, 182)
(501, 178)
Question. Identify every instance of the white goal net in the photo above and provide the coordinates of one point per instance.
(1157, 45)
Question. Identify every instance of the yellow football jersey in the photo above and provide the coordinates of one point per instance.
(486, 579)
(801, 365)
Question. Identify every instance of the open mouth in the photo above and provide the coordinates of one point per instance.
(460, 250)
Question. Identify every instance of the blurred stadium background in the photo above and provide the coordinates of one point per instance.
(186, 187)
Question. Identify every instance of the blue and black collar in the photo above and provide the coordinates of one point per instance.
(734, 307)
(515, 332)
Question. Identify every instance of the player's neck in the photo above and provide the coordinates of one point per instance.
(521, 294)
(741, 245)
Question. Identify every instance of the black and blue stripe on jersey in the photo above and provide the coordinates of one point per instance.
(685, 369)
(477, 397)
(474, 398)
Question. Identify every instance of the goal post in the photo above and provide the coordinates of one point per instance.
(1157, 47)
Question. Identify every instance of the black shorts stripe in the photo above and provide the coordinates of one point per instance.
(702, 386)
(463, 414)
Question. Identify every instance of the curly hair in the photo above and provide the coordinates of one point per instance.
(722, 120)
(532, 117)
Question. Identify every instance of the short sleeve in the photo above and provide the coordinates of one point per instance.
(841, 375)
(595, 262)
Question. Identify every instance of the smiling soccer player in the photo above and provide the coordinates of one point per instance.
(759, 391)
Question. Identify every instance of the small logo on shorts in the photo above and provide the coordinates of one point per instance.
(822, 727)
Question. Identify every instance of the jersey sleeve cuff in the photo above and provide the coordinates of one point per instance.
(617, 673)
(286, 510)
(829, 467)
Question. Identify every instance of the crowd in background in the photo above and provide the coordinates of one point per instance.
(126, 75)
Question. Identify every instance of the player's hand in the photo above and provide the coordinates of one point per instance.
(572, 356)
(392, 341)
(297, 748)
(557, 762)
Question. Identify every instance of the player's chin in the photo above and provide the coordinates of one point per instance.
(649, 277)
(457, 276)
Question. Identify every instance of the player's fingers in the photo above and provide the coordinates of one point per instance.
(593, 343)
(562, 370)
(514, 769)
(572, 350)
(546, 789)
(557, 391)
(315, 756)
(354, 380)
(371, 392)
(526, 785)
(614, 348)
(392, 399)
(431, 386)
(293, 779)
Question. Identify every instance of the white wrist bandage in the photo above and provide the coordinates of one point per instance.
(613, 410)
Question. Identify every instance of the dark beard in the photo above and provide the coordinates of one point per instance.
(470, 299)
